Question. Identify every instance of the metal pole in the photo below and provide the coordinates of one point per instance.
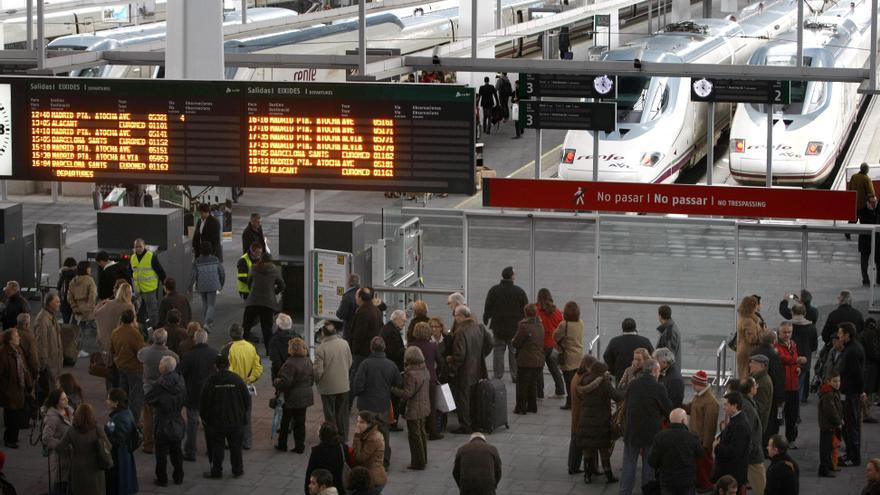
(4, 191)
(597, 271)
(539, 136)
(805, 246)
(769, 145)
(873, 52)
(473, 28)
(41, 35)
(244, 9)
(308, 281)
(464, 254)
(497, 14)
(532, 262)
(595, 156)
(362, 37)
(707, 8)
(29, 7)
(710, 142)
(649, 17)
(54, 189)
(873, 267)
(735, 271)
(800, 33)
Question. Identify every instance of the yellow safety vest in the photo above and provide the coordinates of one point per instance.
(242, 277)
(144, 277)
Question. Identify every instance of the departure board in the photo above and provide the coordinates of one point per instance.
(399, 137)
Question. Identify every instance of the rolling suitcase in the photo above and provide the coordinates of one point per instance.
(489, 406)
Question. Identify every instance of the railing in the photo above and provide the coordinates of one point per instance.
(419, 290)
(597, 344)
(721, 376)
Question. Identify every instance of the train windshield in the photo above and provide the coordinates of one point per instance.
(638, 100)
(806, 97)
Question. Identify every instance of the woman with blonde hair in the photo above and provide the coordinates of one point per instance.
(640, 355)
(294, 382)
(420, 315)
(748, 333)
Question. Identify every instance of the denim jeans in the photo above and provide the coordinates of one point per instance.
(151, 307)
(208, 301)
(498, 358)
(628, 473)
(192, 432)
(88, 336)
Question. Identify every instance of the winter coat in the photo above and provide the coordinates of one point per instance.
(29, 348)
(783, 476)
(863, 186)
(13, 389)
(394, 347)
(178, 301)
(244, 360)
(295, 380)
(619, 353)
(785, 312)
(756, 431)
(842, 313)
(852, 369)
(65, 276)
(168, 396)
(369, 452)
(196, 366)
(789, 357)
(595, 393)
(47, 331)
(207, 274)
(15, 306)
(55, 425)
(703, 411)
(82, 294)
(764, 397)
(125, 343)
(416, 391)
(347, 307)
(107, 317)
(249, 236)
(549, 322)
(674, 385)
(150, 357)
(576, 400)
(373, 381)
(477, 468)
(122, 479)
(85, 475)
(332, 365)
(410, 328)
(830, 408)
(748, 333)
(366, 324)
(210, 233)
(867, 216)
(266, 283)
(108, 276)
(775, 370)
(670, 338)
(647, 405)
(529, 344)
(432, 357)
(176, 337)
(471, 344)
(504, 307)
(225, 401)
(278, 349)
(570, 335)
(805, 335)
(331, 458)
(674, 454)
(733, 443)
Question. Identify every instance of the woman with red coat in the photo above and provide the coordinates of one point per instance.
(788, 354)
(550, 318)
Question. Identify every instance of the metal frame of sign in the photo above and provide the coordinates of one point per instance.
(317, 297)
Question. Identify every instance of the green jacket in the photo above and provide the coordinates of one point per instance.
(830, 408)
(764, 397)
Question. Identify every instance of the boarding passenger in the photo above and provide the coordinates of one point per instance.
(670, 337)
(502, 312)
(208, 229)
(619, 353)
(252, 234)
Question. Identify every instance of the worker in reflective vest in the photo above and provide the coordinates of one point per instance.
(244, 265)
(147, 275)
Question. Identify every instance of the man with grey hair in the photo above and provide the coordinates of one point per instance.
(14, 304)
(331, 368)
(674, 453)
(372, 386)
(166, 398)
(392, 334)
(670, 376)
(278, 345)
(348, 305)
(150, 357)
(196, 366)
(470, 345)
(845, 312)
(647, 405)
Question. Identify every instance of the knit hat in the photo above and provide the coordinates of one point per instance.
(700, 378)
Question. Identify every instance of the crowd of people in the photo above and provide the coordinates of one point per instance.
(164, 381)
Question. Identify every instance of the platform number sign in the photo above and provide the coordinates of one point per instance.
(740, 91)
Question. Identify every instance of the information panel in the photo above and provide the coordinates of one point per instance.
(332, 269)
(404, 137)
(741, 91)
(585, 116)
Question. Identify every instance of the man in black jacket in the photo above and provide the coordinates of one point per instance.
(348, 305)
(806, 298)
(670, 376)
(392, 334)
(108, 273)
(372, 386)
(646, 406)
(253, 233)
(852, 387)
(845, 312)
(14, 304)
(224, 410)
(731, 446)
(619, 353)
(777, 375)
(670, 337)
(674, 453)
(783, 474)
(167, 398)
(207, 229)
(869, 214)
(279, 343)
(196, 366)
(504, 308)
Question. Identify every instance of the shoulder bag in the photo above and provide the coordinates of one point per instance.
(558, 352)
(105, 452)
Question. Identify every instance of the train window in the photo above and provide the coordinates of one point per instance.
(631, 94)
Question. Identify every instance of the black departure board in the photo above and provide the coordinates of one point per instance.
(362, 136)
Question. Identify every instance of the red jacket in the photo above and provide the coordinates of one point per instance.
(550, 323)
(789, 357)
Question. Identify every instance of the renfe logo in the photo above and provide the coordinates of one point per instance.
(307, 75)
(607, 158)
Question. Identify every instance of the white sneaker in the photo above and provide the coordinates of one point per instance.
(83, 354)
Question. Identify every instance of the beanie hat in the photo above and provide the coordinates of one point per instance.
(700, 378)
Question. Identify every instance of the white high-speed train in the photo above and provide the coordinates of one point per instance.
(809, 133)
(659, 130)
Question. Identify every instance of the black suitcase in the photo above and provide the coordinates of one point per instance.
(489, 406)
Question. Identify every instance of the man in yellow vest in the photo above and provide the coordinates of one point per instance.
(245, 262)
(147, 275)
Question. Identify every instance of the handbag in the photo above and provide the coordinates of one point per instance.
(618, 420)
(558, 352)
(105, 453)
(100, 364)
(514, 111)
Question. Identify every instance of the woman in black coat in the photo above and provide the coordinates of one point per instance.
(294, 382)
(330, 454)
(596, 392)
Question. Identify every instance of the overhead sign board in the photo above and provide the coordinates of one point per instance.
(740, 91)
(744, 202)
(363, 136)
(575, 115)
(568, 85)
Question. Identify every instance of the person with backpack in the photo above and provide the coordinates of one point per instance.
(125, 438)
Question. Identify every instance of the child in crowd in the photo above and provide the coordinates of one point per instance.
(830, 421)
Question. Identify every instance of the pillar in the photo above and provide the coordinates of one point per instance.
(485, 23)
(602, 38)
(681, 11)
(194, 48)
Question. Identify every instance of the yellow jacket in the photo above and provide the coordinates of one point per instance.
(244, 361)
